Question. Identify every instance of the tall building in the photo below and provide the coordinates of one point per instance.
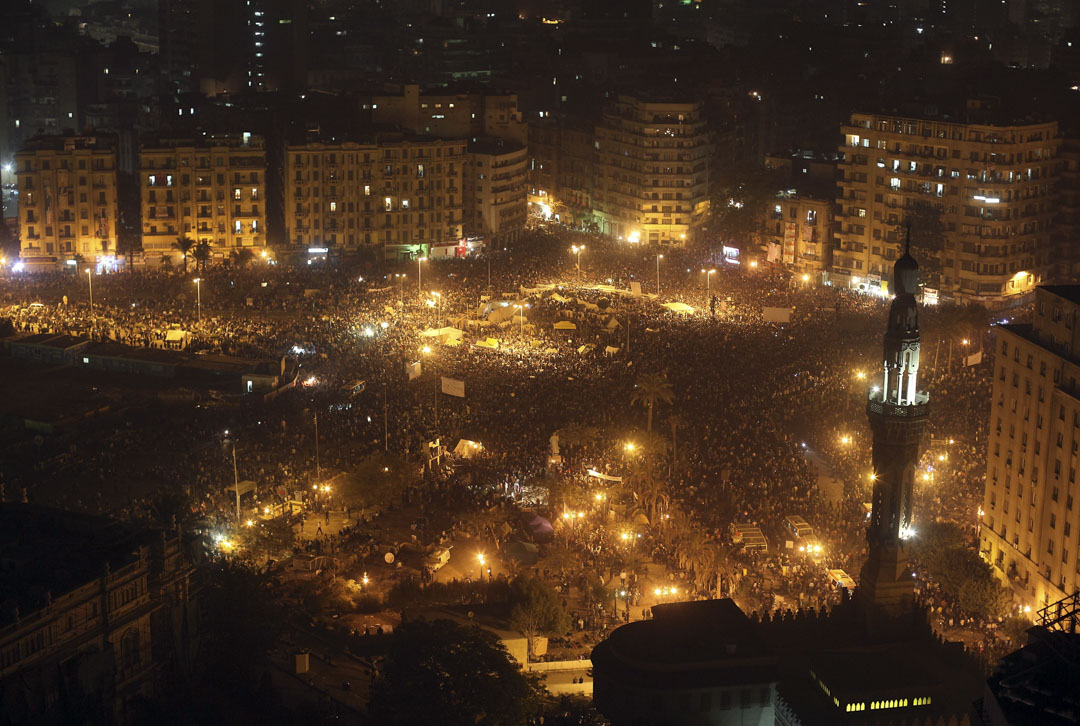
(450, 115)
(898, 412)
(495, 190)
(67, 198)
(797, 231)
(212, 189)
(653, 170)
(1030, 502)
(402, 194)
(96, 616)
(985, 193)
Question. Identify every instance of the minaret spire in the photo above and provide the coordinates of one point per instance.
(898, 413)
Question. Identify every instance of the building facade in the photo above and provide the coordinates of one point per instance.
(67, 198)
(403, 195)
(1029, 509)
(985, 193)
(653, 170)
(101, 617)
(797, 231)
(450, 115)
(495, 187)
(212, 190)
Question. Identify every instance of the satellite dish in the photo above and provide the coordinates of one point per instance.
(389, 558)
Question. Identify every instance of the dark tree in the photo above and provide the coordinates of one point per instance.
(535, 610)
(450, 674)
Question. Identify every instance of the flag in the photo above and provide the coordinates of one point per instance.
(413, 369)
(453, 387)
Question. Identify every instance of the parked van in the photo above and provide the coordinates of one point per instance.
(437, 559)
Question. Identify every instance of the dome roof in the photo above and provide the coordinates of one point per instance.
(906, 275)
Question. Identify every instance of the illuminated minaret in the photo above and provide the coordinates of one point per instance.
(897, 412)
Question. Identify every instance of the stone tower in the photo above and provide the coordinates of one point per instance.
(898, 413)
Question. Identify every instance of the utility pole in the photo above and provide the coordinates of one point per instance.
(236, 482)
(385, 422)
(318, 471)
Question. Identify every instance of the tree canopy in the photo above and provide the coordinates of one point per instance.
(446, 673)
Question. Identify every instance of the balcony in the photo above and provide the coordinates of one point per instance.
(919, 409)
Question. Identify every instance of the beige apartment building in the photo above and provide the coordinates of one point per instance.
(797, 231)
(211, 190)
(67, 199)
(495, 191)
(993, 187)
(652, 162)
(1030, 520)
(402, 194)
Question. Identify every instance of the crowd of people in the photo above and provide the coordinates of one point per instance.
(763, 415)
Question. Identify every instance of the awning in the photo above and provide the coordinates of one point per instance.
(565, 325)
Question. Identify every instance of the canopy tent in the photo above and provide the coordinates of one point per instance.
(499, 313)
(678, 307)
(559, 298)
(587, 348)
(490, 343)
(565, 325)
(611, 350)
(467, 449)
(447, 336)
(612, 323)
(536, 290)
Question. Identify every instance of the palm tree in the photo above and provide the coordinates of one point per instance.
(241, 257)
(202, 254)
(651, 389)
(184, 245)
(675, 421)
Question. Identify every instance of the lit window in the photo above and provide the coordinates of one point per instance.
(894, 183)
(236, 226)
(404, 203)
(236, 194)
(387, 203)
(367, 190)
(333, 206)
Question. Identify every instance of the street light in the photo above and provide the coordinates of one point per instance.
(198, 292)
(419, 274)
(577, 250)
(90, 281)
(521, 317)
(630, 447)
(658, 258)
(708, 286)
(401, 286)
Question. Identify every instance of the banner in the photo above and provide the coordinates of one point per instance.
(635, 289)
(974, 359)
(605, 477)
(414, 370)
(791, 231)
(453, 387)
(776, 315)
(774, 252)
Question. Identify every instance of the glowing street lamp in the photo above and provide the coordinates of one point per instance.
(577, 250)
(630, 447)
(845, 439)
(860, 375)
(198, 292)
(521, 317)
(419, 274)
(708, 286)
(90, 281)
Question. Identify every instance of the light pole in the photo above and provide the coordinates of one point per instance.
(708, 286)
(658, 258)
(198, 292)
(521, 318)
(90, 281)
(577, 250)
(419, 274)
(401, 286)
(318, 469)
(438, 297)
(426, 350)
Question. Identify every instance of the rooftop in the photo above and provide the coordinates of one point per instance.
(1066, 292)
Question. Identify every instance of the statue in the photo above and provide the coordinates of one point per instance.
(554, 440)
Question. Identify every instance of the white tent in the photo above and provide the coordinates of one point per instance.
(678, 307)
(447, 336)
(610, 350)
(565, 325)
(466, 449)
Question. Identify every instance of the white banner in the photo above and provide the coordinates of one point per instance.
(414, 370)
(453, 387)
(974, 359)
(777, 315)
(605, 477)
(635, 289)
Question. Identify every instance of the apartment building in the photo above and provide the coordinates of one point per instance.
(1030, 519)
(563, 170)
(450, 115)
(207, 190)
(797, 232)
(67, 198)
(992, 188)
(403, 194)
(652, 160)
(495, 184)
(97, 616)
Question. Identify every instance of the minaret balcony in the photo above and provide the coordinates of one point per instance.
(919, 408)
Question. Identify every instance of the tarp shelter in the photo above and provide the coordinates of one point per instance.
(447, 336)
(524, 552)
(539, 528)
(612, 323)
(176, 339)
(499, 313)
(565, 325)
(587, 348)
(678, 307)
(467, 449)
(559, 298)
(490, 343)
(609, 350)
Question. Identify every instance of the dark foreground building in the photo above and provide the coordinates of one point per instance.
(871, 660)
(95, 615)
